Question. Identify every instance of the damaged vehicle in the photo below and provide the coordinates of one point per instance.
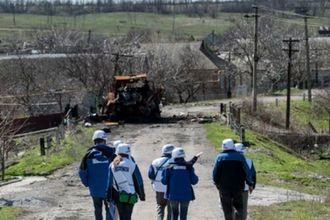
(133, 98)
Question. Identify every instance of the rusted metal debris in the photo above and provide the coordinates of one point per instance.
(133, 98)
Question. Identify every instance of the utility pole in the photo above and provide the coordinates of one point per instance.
(255, 57)
(173, 22)
(309, 78)
(315, 55)
(288, 99)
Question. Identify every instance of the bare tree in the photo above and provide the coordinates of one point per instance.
(7, 131)
(175, 70)
(22, 81)
(271, 58)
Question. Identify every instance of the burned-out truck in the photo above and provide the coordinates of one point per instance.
(133, 98)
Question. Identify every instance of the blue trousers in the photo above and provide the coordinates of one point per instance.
(179, 209)
(98, 203)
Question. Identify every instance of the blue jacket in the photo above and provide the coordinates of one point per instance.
(179, 178)
(93, 170)
(230, 172)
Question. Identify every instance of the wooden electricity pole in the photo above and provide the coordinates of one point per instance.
(309, 77)
(255, 58)
(288, 99)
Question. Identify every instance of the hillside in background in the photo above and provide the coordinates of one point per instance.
(161, 27)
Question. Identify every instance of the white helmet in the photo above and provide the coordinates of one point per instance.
(240, 147)
(178, 153)
(228, 144)
(99, 134)
(167, 149)
(116, 143)
(123, 149)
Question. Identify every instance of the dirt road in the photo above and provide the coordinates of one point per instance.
(61, 196)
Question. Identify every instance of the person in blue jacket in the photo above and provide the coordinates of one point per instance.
(241, 149)
(230, 173)
(93, 171)
(179, 178)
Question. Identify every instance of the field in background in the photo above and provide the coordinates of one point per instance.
(163, 27)
(118, 24)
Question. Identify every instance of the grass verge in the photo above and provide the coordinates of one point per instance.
(294, 210)
(304, 112)
(9, 213)
(276, 166)
(73, 148)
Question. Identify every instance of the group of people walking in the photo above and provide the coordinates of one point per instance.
(115, 181)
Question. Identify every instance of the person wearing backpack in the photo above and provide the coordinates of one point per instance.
(179, 178)
(93, 171)
(125, 182)
(155, 174)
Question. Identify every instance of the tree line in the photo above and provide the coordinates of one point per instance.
(189, 7)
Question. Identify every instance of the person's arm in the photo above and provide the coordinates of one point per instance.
(194, 159)
(193, 177)
(109, 184)
(248, 177)
(138, 183)
(151, 172)
(83, 173)
(215, 172)
(165, 176)
(253, 175)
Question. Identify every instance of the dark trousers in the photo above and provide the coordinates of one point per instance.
(98, 203)
(162, 203)
(232, 204)
(179, 209)
(125, 210)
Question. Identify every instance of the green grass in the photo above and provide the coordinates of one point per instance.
(284, 91)
(74, 147)
(295, 210)
(275, 165)
(9, 213)
(303, 112)
(119, 23)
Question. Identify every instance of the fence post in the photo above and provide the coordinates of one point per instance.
(242, 134)
(239, 115)
(42, 147)
(276, 102)
(221, 108)
(49, 142)
(329, 122)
